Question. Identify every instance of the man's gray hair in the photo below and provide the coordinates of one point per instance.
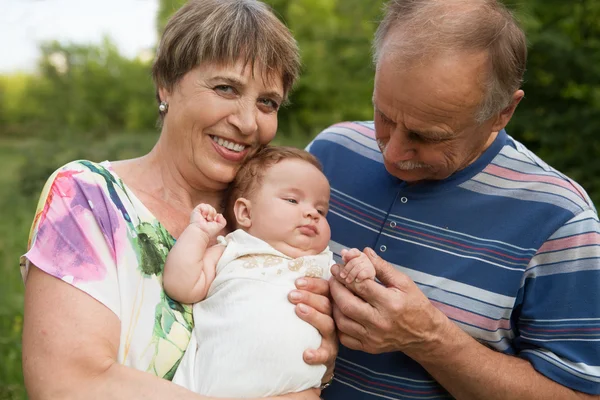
(417, 29)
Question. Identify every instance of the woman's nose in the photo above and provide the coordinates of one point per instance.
(245, 119)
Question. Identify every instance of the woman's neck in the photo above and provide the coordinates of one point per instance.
(162, 187)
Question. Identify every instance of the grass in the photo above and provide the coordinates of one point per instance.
(16, 211)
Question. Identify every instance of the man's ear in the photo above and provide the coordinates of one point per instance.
(242, 209)
(505, 115)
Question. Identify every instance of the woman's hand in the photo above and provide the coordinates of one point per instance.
(313, 306)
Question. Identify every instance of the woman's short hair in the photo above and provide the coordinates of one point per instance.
(223, 32)
(253, 170)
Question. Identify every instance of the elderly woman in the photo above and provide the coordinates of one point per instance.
(105, 328)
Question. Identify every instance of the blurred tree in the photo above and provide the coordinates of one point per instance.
(165, 9)
(560, 115)
(12, 93)
(83, 90)
(337, 81)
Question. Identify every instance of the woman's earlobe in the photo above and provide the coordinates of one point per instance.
(242, 209)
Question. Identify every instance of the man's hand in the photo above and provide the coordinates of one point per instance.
(392, 316)
(357, 266)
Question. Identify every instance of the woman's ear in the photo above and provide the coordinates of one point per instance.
(163, 94)
(242, 209)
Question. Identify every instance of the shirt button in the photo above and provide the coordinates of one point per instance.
(403, 199)
(393, 224)
(383, 248)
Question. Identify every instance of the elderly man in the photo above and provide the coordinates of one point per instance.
(490, 288)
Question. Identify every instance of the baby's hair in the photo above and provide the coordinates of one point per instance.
(252, 171)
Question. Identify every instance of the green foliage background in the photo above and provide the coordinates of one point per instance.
(91, 102)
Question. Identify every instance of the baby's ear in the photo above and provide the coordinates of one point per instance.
(242, 209)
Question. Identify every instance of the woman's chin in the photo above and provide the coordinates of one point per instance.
(212, 176)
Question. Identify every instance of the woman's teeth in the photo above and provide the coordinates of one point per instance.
(228, 145)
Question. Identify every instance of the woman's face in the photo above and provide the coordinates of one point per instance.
(219, 115)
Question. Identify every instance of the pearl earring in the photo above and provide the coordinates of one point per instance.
(163, 107)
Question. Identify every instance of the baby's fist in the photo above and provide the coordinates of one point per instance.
(208, 219)
(357, 266)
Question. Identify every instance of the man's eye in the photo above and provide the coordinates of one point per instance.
(422, 139)
(385, 119)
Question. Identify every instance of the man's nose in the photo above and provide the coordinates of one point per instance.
(399, 148)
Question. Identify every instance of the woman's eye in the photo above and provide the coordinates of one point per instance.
(293, 201)
(225, 89)
(270, 104)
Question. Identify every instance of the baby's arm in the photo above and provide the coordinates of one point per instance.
(357, 266)
(190, 265)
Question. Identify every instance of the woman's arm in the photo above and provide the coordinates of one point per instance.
(70, 347)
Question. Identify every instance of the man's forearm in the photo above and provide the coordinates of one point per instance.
(472, 371)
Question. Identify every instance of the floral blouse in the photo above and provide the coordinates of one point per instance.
(93, 233)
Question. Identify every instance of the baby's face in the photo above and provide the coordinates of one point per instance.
(288, 209)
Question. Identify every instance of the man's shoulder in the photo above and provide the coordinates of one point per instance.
(518, 169)
(355, 140)
(361, 133)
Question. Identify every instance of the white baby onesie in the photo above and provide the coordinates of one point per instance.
(247, 339)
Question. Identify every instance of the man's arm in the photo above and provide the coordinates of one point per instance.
(70, 347)
(470, 370)
(397, 316)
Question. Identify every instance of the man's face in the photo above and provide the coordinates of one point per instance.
(425, 115)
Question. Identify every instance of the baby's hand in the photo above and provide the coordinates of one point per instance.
(357, 266)
(206, 218)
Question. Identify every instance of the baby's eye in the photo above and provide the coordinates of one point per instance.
(321, 212)
(293, 201)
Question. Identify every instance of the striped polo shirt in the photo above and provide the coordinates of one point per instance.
(508, 248)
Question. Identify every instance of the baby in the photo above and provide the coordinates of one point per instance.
(247, 340)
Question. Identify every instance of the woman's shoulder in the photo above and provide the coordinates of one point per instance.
(83, 184)
(79, 170)
(85, 178)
